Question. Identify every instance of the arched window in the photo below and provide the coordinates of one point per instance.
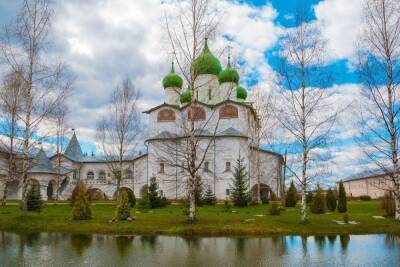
(228, 112)
(197, 114)
(128, 174)
(90, 175)
(102, 175)
(166, 115)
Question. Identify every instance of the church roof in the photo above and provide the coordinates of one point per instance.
(74, 150)
(42, 164)
(231, 132)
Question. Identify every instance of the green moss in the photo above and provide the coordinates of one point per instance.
(228, 75)
(172, 79)
(241, 92)
(186, 96)
(207, 63)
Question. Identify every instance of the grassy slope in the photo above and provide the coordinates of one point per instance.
(211, 221)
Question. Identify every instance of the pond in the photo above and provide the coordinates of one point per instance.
(58, 249)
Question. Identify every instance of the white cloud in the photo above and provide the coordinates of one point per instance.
(340, 22)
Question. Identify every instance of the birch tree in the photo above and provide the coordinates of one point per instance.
(303, 109)
(379, 69)
(46, 83)
(10, 101)
(118, 131)
(194, 22)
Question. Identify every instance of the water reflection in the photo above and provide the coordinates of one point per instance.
(55, 249)
(123, 244)
(80, 243)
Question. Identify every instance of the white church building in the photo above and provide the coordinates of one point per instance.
(225, 127)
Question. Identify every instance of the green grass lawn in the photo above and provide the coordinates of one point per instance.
(211, 221)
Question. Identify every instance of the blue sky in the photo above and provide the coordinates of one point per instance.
(104, 41)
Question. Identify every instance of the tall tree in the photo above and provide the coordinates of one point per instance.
(187, 30)
(10, 101)
(46, 84)
(119, 130)
(264, 131)
(379, 69)
(59, 117)
(342, 201)
(303, 108)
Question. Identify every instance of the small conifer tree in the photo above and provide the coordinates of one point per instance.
(318, 204)
(124, 206)
(144, 203)
(309, 197)
(209, 197)
(331, 200)
(34, 199)
(154, 198)
(342, 201)
(81, 209)
(198, 190)
(240, 186)
(290, 200)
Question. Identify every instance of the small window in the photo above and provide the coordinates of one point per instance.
(206, 166)
(90, 175)
(209, 94)
(128, 174)
(102, 175)
(227, 166)
(74, 175)
(183, 167)
(227, 192)
(162, 170)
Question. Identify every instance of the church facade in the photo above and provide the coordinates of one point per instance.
(224, 126)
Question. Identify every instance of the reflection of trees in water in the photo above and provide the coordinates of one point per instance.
(191, 241)
(30, 239)
(80, 242)
(150, 240)
(332, 239)
(320, 241)
(344, 241)
(240, 244)
(123, 244)
(304, 244)
(392, 241)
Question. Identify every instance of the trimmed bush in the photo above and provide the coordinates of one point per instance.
(33, 199)
(318, 204)
(240, 188)
(388, 205)
(124, 206)
(154, 197)
(342, 201)
(275, 209)
(81, 209)
(272, 196)
(331, 201)
(290, 200)
(365, 198)
(209, 197)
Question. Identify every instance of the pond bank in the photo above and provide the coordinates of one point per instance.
(211, 221)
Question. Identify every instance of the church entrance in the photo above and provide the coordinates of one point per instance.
(51, 190)
(264, 192)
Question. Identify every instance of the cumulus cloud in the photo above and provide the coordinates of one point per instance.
(340, 23)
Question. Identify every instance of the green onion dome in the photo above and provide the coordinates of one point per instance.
(229, 74)
(241, 92)
(172, 79)
(206, 63)
(186, 96)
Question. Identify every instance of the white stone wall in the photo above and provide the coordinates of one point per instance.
(227, 91)
(375, 187)
(206, 85)
(172, 96)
